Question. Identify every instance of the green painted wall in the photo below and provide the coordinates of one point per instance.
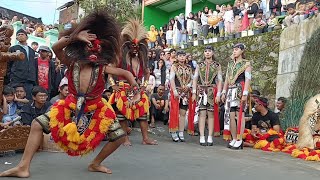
(155, 16)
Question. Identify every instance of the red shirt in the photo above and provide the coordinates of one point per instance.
(43, 73)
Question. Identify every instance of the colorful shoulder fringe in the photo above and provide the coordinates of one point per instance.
(65, 132)
(138, 110)
(278, 144)
(263, 142)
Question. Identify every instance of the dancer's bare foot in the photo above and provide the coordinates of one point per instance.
(126, 142)
(149, 142)
(16, 172)
(99, 168)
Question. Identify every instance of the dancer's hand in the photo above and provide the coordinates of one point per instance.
(86, 37)
(244, 99)
(217, 100)
(193, 97)
(135, 99)
(223, 97)
(115, 88)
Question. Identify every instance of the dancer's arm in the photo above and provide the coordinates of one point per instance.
(219, 85)
(246, 84)
(58, 47)
(225, 88)
(194, 83)
(121, 72)
(172, 82)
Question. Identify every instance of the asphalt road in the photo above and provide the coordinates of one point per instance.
(172, 161)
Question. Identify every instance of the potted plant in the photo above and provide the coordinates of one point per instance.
(237, 34)
(210, 38)
(196, 41)
(184, 45)
(231, 35)
(190, 43)
(244, 33)
(201, 40)
(206, 40)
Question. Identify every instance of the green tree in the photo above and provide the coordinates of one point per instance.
(120, 9)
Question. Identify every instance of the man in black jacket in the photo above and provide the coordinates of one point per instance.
(22, 71)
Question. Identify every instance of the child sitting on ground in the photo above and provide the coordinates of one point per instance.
(9, 107)
(272, 21)
(258, 23)
(20, 97)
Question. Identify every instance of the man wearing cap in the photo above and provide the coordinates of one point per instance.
(183, 90)
(45, 70)
(209, 92)
(235, 94)
(22, 71)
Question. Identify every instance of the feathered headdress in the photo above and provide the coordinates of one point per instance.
(134, 37)
(105, 49)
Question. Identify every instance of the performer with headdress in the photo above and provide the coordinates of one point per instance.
(235, 94)
(209, 92)
(134, 59)
(80, 122)
(183, 84)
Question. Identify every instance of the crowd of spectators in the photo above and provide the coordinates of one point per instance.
(223, 20)
(34, 28)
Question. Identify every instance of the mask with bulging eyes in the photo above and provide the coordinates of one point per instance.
(94, 49)
(134, 49)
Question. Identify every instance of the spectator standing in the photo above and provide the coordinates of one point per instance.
(275, 6)
(169, 36)
(23, 71)
(204, 21)
(182, 29)
(152, 36)
(253, 9)
(45, 69)
(229, 20)
(237, 15)
(190, 25)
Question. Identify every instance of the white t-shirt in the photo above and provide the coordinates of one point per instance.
(169, 34)
(228, 16)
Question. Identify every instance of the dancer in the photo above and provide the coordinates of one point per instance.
(84, 118)
(236, 86)
(134, 59)
(183, 86)
(209, 92)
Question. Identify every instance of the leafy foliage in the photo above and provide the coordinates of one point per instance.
(262, 50)
(120, 9)
(306, 83)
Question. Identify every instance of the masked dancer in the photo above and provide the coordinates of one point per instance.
(134, 59)
(80, 122)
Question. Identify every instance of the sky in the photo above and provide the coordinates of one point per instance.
(46, 9)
